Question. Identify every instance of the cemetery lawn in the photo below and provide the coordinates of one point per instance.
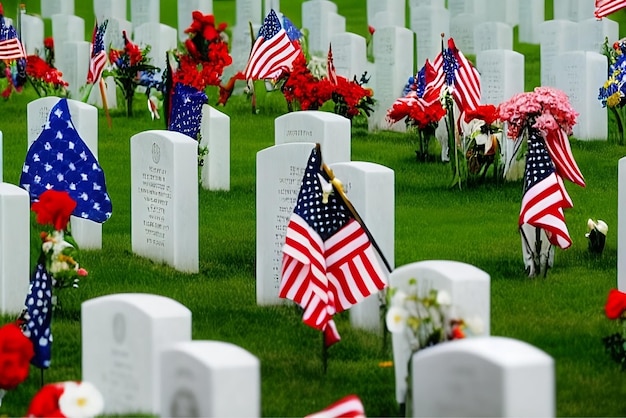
(562, 314)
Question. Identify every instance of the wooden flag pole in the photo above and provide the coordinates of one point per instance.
(105, 104)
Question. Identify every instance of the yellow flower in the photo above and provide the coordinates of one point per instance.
(614, 99)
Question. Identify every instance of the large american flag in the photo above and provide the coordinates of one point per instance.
(606, 7)
(98, 53)
(329, 263)
(545, 196)
(273, 52)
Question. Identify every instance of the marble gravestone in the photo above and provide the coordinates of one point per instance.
(269, 5)
(164, 198)
(209, 379)
(428, 23)
(592, 33)
(88, 234)
(370, 188)
(215, 141)
(469, 290)
(161, 38)
(32, 33)
(123, 335)
(579, 75)
(145, 11)
(531, 15)
(113, 36)
(483, 377)
(621, 226)
(320, 18)
(349, 55)
(279, 172)
(330, 130)
(14, 247)
(71, 51)
(391, 11)
(492, 35)
(557, 37)
(573, 10)
(50, 8)
(185, 10)
(462, 31)
(106, 9)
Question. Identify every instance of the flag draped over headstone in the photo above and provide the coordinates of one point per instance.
(329, 263)
(60, 160)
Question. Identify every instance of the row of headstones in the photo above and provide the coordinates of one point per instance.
(137, 349)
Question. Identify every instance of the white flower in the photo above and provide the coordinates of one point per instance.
(396, 319)
(443, 298)
(475, 325)
(81, 400)
(398, 298)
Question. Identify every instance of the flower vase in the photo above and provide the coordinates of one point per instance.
(424, 137)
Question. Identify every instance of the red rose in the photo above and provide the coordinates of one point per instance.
(48, 42)
(45, 403)
(16, 351)
(54, 208)
(615, 304)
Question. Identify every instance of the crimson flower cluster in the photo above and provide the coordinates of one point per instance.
(46, 79)
(422, 116)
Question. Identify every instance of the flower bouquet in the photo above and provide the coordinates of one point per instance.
(47, 80)
(613, 93)
(615, 344)
(67, 399)
(481, 131)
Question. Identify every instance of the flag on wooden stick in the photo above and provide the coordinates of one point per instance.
(329, 261)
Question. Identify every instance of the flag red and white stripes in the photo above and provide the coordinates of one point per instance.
(11, 49)
(606, 7)
(330, 66)
(560, 151)
(348, 407)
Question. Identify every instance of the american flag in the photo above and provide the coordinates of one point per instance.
(273, 52)
(98, 54)
(329, 262)
(348, 407)
(606, 7)
(60, 160)
(10, 46)
(330, 66)
(460, 74)
(560, 151)
(545, 196)
(38, 316)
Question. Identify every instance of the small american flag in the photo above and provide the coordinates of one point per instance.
(329, 263)
(273, 52)
(545, 196)
(98, 54)
(606, 7)
(348, 407)
(38, 316)
(10, 46)
(330, 66)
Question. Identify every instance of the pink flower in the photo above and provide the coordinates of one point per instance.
(82, 272)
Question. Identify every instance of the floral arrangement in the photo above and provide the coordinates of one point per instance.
(615, 344)
(481, 129)
(303, 90)
(47, 80)
(612, 94)
(48, 47)
(67, 399)
(426, 317)
(131, 68)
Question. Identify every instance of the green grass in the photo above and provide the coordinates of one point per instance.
(562, 314)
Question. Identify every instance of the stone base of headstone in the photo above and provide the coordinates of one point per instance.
(215, 144)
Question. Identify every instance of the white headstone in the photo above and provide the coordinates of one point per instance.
(592, 32)
(462, 30)
(579, 75)
(50, 8)
(185, 10)
(574, 10)
(110, 93)
(393, 59)
(145, 11)
(106, 9)
(512, 12)
(32, 33)
(492, 35)
(431, 3)
(349, 54)
(209, 379)
(496, 10)
(556, 37)
(14, 247)
(469, 290)
(531, 15)
(330, 130)
(483, 377)
(164, 198)
(248, 11)
(476, 7)
(215, 138)
(370, 188)
(240, 46)
(621, 225)
(160, 37)
(395, 10)
(279, 172)
(428, 23)
(319, 17)
(123, 336)
(88, 234)
(113, 36)
(271, 4)
(1, 162)
(75, 59)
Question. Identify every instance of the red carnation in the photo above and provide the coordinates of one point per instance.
(54, 208)
(16, 351)
(489, 113)
(45, 403)
(48, 42)
(615, 304)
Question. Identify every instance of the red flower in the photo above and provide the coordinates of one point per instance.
(48, 42)
(134, 52)
(16, 351)
(489, 113)
(371, 29)
(615, 304)
(54, 208)
(204, 25)
(46, 402)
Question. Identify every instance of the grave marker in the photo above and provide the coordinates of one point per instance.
(531, 16)
(75, 59)
(394, 9)
(573, 10)
(322, 21)
(349, 54)
(1, 163)
(592, 32)
(32, 33)
(579, 75)
(279, 172)
(557, 37)
(215, 137)
(621, 225)
(330, 130)
(462, 30)
(164, 198)
(370, 188)
(160, 37)
(123, 336)
(209, 379)
(492, 35)
(248, 11)
(428, 22)
(50, 8)
(271, 4)
(14, 247)
(469, 290)
(483, 377)
(113, 35)
(145, 11)
(106, 9)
